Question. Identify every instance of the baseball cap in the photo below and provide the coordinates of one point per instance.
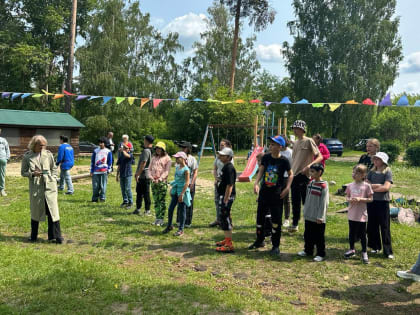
(279, 140)
(383, 156)
(149, 138)
(185, 144)
(226, 151)
(299, 124)
(180, 154)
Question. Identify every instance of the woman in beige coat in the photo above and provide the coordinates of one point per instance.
(39, 166)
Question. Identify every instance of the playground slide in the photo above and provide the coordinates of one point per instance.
(252, 166)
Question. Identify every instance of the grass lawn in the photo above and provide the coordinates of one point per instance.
(114, 262)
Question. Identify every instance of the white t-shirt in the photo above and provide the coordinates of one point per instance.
(288, 155)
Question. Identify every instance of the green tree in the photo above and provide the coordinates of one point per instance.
(212, 55)
(260, 14)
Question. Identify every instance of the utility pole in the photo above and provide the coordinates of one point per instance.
(67, 107)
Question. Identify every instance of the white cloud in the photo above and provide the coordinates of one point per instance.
(412, 64)
(189, 27)
(412, 87)
(270, 53)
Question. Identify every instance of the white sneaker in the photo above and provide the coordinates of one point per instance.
(302, 253)
(318, 258)
(3, 193)
(408, 275)
(286, 223)
(391, 257)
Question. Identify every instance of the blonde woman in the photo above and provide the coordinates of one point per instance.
(39, 166)
(372, 147)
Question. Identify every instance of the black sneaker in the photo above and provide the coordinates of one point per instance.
(123, 205)
(167, 229)
(128, 205)
(101, 200)
(137, 211)
(275, 251)
(69, 193)
(256, 245)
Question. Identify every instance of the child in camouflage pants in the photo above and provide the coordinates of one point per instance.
(159, 168)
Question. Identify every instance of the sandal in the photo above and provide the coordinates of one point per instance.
(221, 243)
(227, 248)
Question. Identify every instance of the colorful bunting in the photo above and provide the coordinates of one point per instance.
(118, 100)
(46, 93)
(37, 95)
(267, 103)
(57, 96)
(143, 101)
(198, 100)
(81, 97)
(226, 102)
(156, 102)
(106, 99)
(239, 101)
(16, 95)
(92, 97)
(334, 106)
(183, 99)
(25, 95)
(386, 101)
(68, 93)
(403, 101)
(209, 100)
(302, 101)
(352, 102)
(317, 105)
(131, 100)
(285, 100)
(255, 101)
(5, 94)
(417, 103)
(368, 101)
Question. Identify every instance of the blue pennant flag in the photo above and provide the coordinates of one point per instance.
(285, 100)
(183, 99)
(198, 100)
(106, 99)
(417, 103)
(403, 101)
(302, 101)
(93, 97)
(16, 95)
(25, 95)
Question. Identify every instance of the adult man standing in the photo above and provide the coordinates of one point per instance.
(109, 142)
(305, 153)
(193, 166)
(65, 159)
(142, 176)
(4, 158)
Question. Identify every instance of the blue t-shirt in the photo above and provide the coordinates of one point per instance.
(125, 165)
(65, 156)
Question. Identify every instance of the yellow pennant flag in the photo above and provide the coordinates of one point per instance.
(227, 102)
(47, 93)
(239, 101)
(57, 96)
(333, 106)
(118, 100)
(143, 101)
(131, 100)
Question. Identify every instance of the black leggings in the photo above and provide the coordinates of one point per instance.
(54, 231)
(378, 227)
(299, 184)
(357, 230)
(143, 192)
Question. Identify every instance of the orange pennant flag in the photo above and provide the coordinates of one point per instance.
(352, 102)
(57, 96)
(239, 101)
(143, 101)
(156, 102)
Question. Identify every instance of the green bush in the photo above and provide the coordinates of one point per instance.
(412, 154)
(392, 148)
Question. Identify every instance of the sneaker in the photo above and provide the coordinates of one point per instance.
(275, 251)
(160, 223)
(318, 258)
(69, 193)
(137, 211)
(94, 200)
(179, 233)
(226, 248)
(256, 245)
(214, 223)
(390, 257)
(293, 228)
(365, 258)
(302, 253)
(147, 212)
(129, 206)
(123, 205)
(101, 200)
(408, 275)
(375, 251)
(187, 225)
(167, 229)
(286, 223)
(350, 253)
(156, 222)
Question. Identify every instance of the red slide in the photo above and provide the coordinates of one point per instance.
(252, 166)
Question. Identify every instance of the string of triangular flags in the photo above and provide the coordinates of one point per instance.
(386, 101)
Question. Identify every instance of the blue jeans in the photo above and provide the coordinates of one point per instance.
(99, 182)
(125, 184)
(182, 209)
(65, 177)
(3, 163)
(416, 268)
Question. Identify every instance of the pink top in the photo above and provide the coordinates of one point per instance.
(159, 168)
(358, 210)
(324, 152)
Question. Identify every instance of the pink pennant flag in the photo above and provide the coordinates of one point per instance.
(255, 101)
(156, 102)
(368, 101)
(68, 93)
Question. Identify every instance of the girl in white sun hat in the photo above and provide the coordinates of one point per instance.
(378, 227)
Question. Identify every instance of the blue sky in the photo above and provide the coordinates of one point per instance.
(187, 17)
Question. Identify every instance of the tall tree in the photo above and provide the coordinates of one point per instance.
(212, 54)
(260, 14)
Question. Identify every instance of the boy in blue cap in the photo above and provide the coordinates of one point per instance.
(274, 187)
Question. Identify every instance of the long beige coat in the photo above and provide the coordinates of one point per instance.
(44, 187)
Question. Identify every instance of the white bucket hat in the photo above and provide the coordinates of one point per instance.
(383, 156)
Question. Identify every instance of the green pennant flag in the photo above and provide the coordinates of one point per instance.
(38, 95)
(118, 100)
(212, 100)
(317, 104)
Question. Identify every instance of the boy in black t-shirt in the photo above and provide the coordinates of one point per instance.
(273, 190)
(226, 192)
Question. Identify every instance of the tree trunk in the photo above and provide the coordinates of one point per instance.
(67, 107)
(235, 46)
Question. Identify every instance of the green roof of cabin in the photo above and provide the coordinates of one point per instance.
(39, 119)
